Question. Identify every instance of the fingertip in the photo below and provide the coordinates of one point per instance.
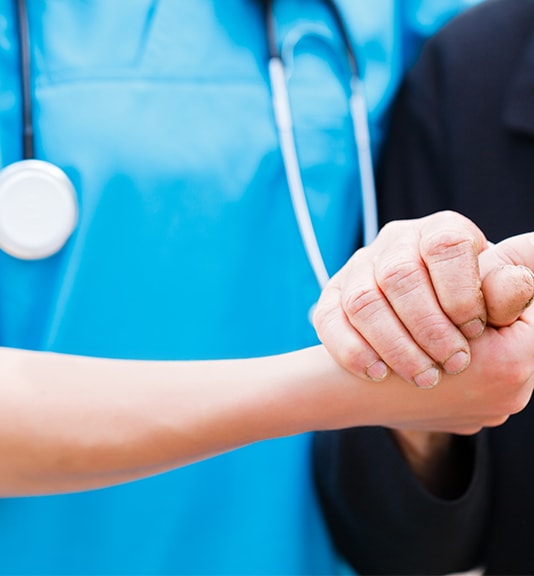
(473, 328)
(457, 362)
(377, 371)
(428, 378)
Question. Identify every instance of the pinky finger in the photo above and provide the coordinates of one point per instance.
(343, 342)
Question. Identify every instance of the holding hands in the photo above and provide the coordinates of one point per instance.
(431, 298)
(414, 298)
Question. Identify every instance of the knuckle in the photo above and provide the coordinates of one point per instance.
(433, 332)
(448, 244)
(399, 277)
(363, 303)
(399, 351)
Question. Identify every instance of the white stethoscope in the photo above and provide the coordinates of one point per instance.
(38, 204)
(358, 111)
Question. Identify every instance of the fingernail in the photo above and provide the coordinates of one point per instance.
(377, 371)
(427, 379)
(473, 328)
(456, 363)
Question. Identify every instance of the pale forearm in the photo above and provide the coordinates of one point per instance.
(73, 423)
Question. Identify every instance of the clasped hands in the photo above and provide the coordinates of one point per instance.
(431, 297)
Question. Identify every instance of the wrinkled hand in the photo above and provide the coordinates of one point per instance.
(497, 383)
(412, 300)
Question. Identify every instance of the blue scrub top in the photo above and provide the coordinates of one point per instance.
(187, 247)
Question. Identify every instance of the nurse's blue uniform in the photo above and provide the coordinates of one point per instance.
(187, 247)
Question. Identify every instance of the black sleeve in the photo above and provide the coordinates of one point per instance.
(382, 520)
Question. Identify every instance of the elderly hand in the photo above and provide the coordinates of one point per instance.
(412, 300)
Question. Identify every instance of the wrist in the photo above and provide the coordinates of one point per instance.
(317, 394)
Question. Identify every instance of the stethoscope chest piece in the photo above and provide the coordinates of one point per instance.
(38, 209)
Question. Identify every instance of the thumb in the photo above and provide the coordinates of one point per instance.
(507, 279)
(507, 291)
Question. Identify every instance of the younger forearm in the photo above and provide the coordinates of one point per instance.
(70, 423)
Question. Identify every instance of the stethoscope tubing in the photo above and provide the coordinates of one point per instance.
(358, 107)
(28, 151)
(284, 124)
(282, 112)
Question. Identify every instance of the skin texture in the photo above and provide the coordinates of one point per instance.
(412, 301)
(409, 302)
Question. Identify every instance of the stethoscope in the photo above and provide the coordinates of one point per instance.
(38, 203)
(283, 119)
